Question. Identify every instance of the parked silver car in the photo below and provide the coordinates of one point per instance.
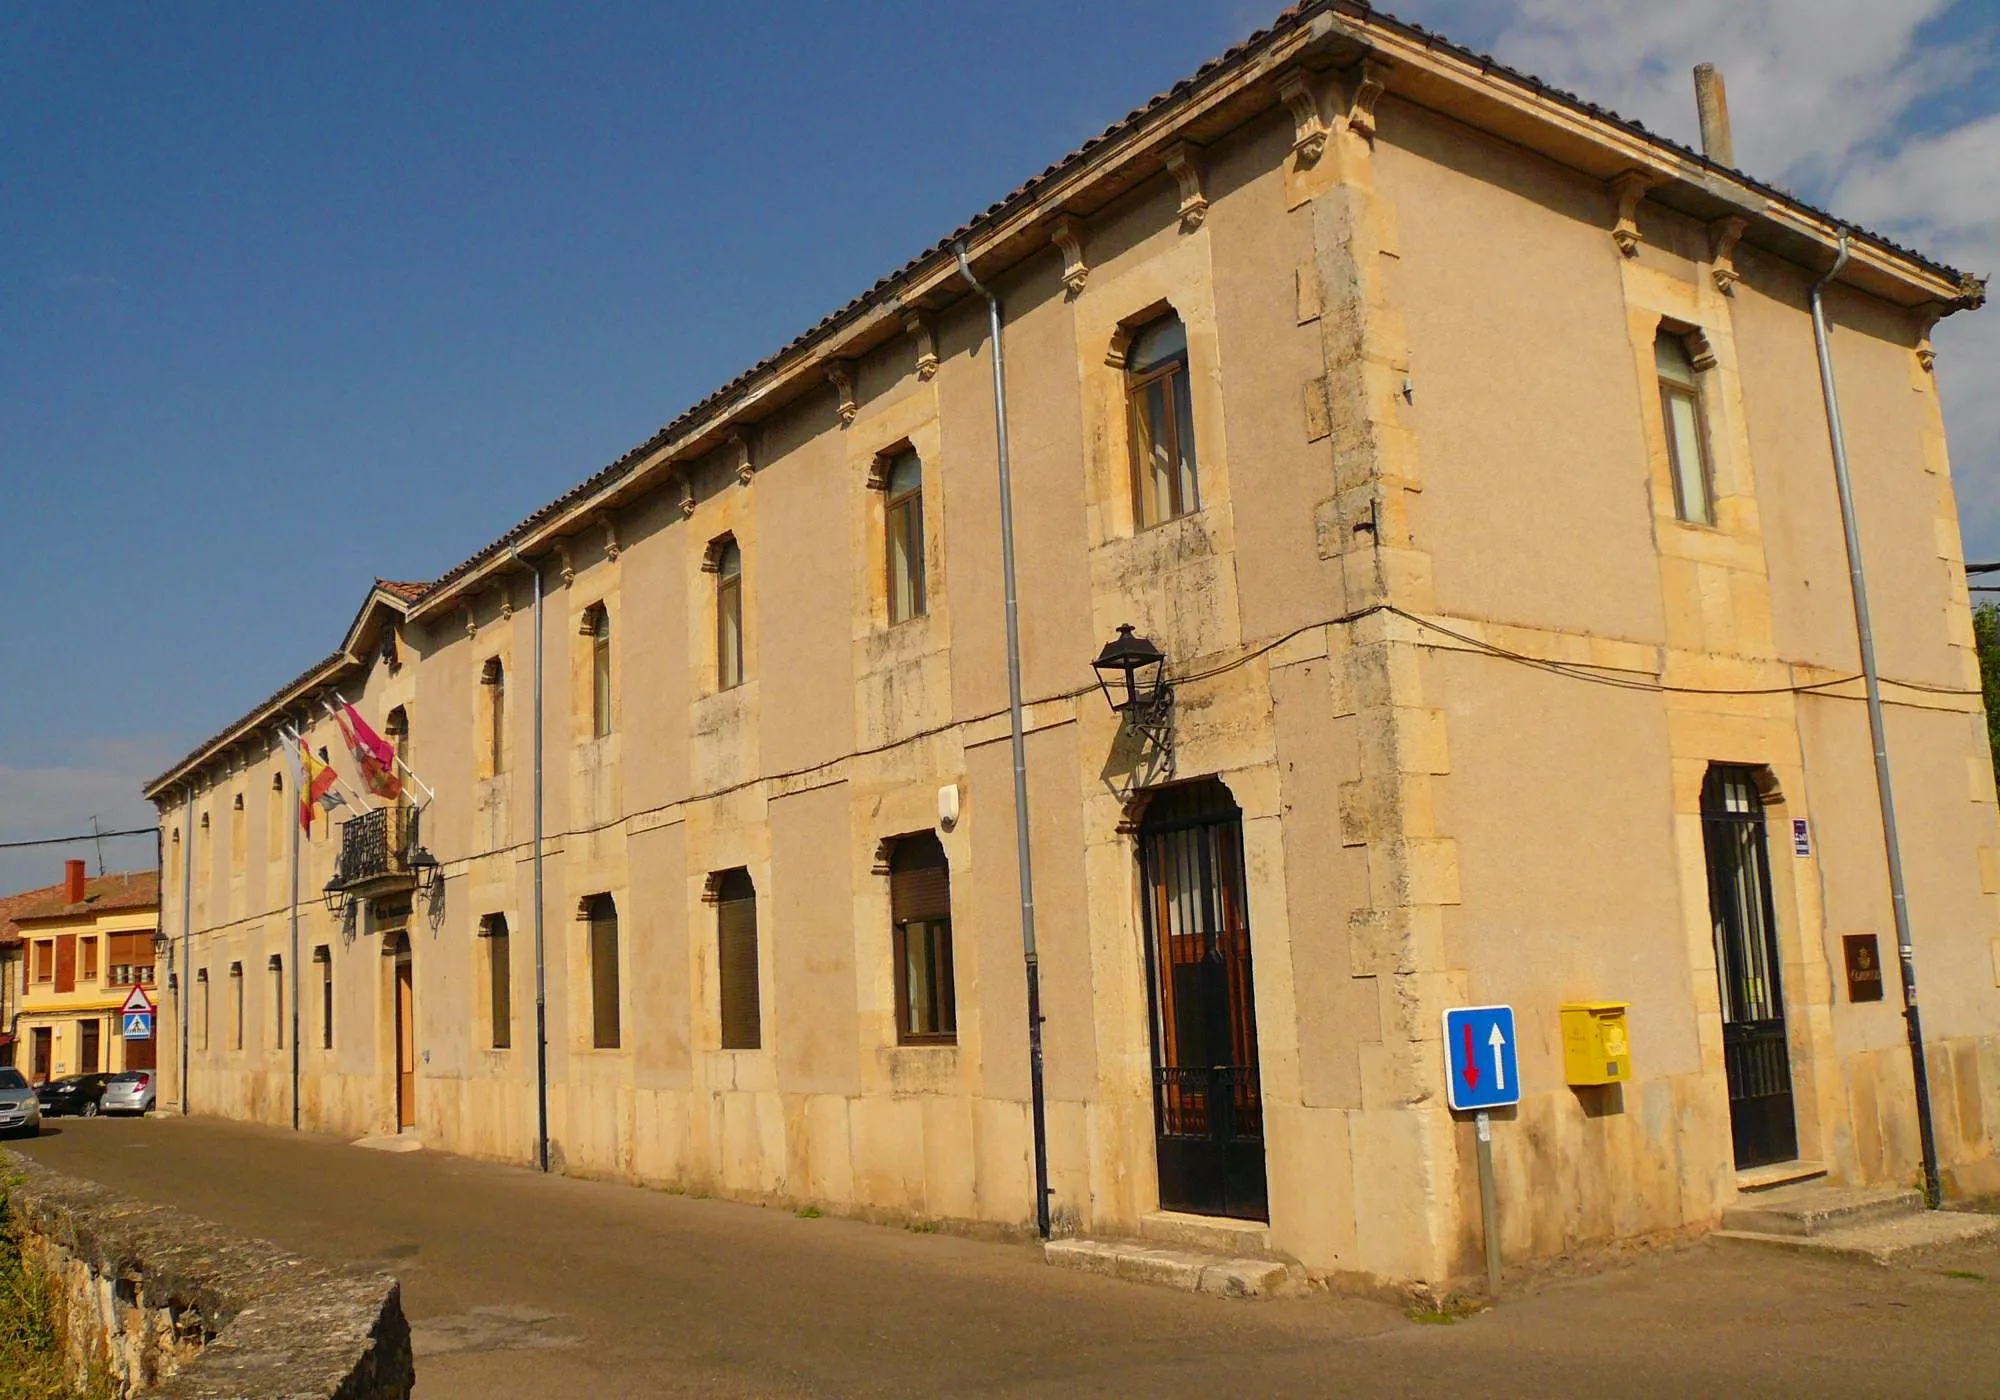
(20, 1110)
(130, 1092)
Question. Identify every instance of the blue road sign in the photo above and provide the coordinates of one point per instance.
(1481, 1070)
(138, 1026)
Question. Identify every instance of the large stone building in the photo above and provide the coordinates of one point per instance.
(1461, 446)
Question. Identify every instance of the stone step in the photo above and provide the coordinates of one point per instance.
(1187, 1270)
(1817, 1207)
(1207, 1234)
(1769, 1178)
(1883, 1240)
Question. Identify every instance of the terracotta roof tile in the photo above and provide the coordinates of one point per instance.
(10, 904)
(102, 894)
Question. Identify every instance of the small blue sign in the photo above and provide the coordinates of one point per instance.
(138, 1025)
(1481, 1069)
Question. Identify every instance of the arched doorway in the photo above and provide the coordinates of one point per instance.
(1208, 1106)
(402, 995)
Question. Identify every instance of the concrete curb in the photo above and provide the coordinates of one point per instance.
(1172, 1268)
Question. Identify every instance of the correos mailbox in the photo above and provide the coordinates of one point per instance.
(1596, 1047)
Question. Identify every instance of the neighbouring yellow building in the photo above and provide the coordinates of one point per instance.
(85, 944)
(1461, 450)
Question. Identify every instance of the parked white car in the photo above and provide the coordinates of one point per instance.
(20, 1110)
(130, 1092)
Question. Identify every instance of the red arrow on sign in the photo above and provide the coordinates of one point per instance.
(1471, 1065)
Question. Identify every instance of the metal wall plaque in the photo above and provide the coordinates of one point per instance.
(1864, 966)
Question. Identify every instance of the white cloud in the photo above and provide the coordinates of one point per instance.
(1836, 100)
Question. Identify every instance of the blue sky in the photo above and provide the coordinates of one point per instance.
(293, 296)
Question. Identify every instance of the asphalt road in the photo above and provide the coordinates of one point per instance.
(518, 1284)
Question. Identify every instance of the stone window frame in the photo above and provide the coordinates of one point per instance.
(1117, 354)
(881, 467)
(939, 929)
(600, 692)
(727, 609)
(606, 992)
(496, 936)
(1702, 362)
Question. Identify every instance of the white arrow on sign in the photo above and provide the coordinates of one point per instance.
(1499, 1043)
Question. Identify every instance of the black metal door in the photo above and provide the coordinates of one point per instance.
(1208, 1110)
(1754, 1049)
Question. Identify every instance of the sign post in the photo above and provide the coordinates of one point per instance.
(1482, 1072)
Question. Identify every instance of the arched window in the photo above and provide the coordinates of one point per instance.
(1687, 438)
(201, 1005)
(920, 917)
(728, 615)
(236, 1005)
(597, 626)
(493, 680)
(602, 915)
(1161, 411)
(903, 535)
(736, 960)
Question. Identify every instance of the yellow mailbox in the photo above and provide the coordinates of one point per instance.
(1596, 1048)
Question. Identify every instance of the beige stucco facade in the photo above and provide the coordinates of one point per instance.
(1435, 625)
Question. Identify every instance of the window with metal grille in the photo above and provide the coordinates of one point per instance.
(323, 955)
(499, 978)
(920, 915)
(903, 536)
(736, 960)
(277, 969)
(1687, 436)
(602, 914)
(1165, 482)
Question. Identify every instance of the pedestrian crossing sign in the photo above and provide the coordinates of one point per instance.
(138, 1025)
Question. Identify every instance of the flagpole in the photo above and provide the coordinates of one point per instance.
(347, 791)
(296, 824)
(394, 757)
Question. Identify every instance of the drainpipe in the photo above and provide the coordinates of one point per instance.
(1022, 860)
(1885, 794)
(541, 970)
(295, 969)
(187, 941)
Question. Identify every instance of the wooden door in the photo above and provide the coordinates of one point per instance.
(406, 1046)
(44, 1039)
(90, 1033)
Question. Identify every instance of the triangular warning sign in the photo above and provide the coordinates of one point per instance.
(138, 1002)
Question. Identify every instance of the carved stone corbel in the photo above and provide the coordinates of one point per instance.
(1723, 236)
(1927, 352)
(1701, 350)
(471, 622)
(612, 549)
(1370, 81)
(740, 446)
(687, 493)
(1308, 126)
(1066, 233)
(1630, 188)
(1184, 163)
(565, 565)
(841, 375)
(920, 329)
(506, 592)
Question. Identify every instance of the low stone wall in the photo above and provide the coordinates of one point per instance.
(174, 1307)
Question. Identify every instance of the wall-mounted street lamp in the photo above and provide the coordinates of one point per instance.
(1133, 675)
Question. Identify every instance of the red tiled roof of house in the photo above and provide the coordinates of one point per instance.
(408, 591)
(10, 904)
(102, 894)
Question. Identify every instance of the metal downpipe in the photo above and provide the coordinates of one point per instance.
(1022, 859)
(541, 966)
(1885, 793)
(186, 1007)
(294, 969)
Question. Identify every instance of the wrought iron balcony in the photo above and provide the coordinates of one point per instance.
(375, 851)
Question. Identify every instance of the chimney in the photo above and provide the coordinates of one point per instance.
(1712, 102)
(72, 882)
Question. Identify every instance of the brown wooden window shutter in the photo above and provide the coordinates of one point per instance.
(736, 960)
(919, 880)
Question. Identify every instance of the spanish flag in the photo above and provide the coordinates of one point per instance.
(315, 786)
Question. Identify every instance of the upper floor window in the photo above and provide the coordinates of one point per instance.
(736, 959)
(45, 961)
(1164, 484)
(493, 683)
(1687, 442)
(87, 947)
(920, 916)
(597, 627)
(903, 533)
(728, 615)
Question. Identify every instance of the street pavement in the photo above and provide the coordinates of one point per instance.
(518, 1284)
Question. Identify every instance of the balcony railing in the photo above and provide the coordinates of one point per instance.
(375, 850)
